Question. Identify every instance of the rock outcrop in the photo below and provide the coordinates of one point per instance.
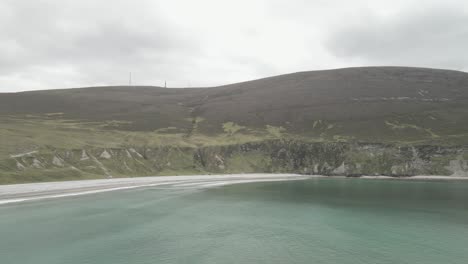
(275, 156)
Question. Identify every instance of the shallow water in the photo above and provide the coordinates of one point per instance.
(311, 221)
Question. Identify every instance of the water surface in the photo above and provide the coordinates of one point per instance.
(311, 221)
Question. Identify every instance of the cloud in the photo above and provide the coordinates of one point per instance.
(437, 37)
(51, 44)
(86, 40)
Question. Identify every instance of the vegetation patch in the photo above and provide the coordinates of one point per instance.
(275, 131)
(230, 128)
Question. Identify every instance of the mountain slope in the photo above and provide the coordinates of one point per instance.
(347, 97)
(370, 105)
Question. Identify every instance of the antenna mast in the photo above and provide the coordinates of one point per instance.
(130, 79)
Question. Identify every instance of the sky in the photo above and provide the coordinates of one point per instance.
(50, 44)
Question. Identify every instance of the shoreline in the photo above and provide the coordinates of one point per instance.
(416, 177)
(16, 193)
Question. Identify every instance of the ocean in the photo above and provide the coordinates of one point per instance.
(322, 220)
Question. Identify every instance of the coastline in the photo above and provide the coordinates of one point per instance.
(16, 193)
(417, 177)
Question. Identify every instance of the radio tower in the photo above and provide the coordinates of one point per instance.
(130, 79)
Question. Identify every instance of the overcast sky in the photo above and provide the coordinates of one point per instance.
(60, 44)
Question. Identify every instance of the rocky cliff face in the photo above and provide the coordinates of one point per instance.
(335, 159)
(273, 156)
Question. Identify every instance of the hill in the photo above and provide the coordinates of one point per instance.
(370, 105)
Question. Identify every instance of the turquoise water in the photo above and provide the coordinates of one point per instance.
(311, 221)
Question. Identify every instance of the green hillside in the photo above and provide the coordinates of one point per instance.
(393, 106)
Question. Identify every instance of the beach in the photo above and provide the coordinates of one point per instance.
(47, 190)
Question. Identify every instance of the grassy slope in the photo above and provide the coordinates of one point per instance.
(405, 106)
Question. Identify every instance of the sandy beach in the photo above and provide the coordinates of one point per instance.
(47, 190)
(34, 191)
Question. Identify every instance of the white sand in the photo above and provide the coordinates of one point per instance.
(35, 191)
(47, 190)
